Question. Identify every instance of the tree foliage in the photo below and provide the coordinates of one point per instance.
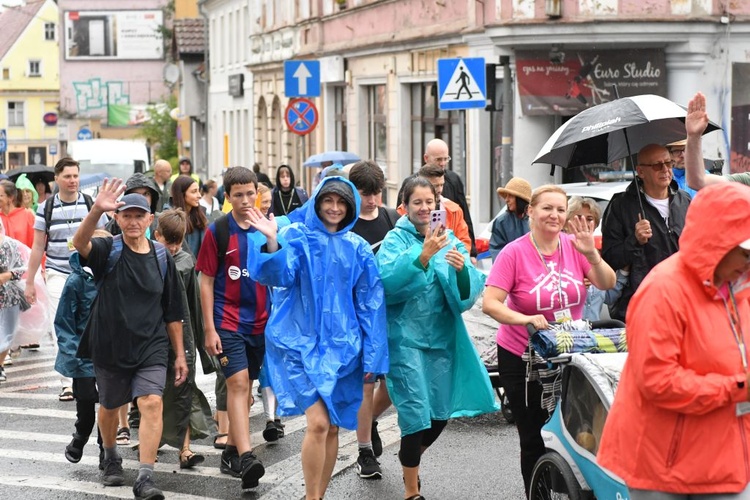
(161, 130)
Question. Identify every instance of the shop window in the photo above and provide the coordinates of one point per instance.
(16, 159)
(429, 122)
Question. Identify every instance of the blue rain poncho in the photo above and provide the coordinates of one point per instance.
(435, 371)
(327, 325)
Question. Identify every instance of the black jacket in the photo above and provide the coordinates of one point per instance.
(454, 191)
(620, 247)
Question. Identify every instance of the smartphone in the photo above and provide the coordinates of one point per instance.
(438, 218)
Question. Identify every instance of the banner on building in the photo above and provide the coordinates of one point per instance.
(739, 153)
(128, 34)
(130, 115)
(565, 82)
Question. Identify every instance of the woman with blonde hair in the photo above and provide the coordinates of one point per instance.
(541, 276)
(264, 200)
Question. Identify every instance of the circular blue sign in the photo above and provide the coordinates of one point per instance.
(85, 134)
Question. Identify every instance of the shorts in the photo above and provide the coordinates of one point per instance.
(241, 351)
(117, 387)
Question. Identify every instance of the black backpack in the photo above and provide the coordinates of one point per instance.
(49, 205)
(116, 251)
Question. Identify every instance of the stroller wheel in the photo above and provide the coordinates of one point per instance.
(554, 479)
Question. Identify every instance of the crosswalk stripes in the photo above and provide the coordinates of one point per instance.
(35, 427)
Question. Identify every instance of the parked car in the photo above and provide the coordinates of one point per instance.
(601, 192)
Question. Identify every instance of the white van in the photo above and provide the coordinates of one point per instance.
(113, 157)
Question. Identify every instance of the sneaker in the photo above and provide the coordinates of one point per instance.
(101, 458)
(3, 378)
(271, 432)
(74, 450)
(279, 427)
(112, 474)
(252, 470)
(145, 489)
(134, 417)
(8, 361)
(377, 444)
(230, 463)
(367, 465)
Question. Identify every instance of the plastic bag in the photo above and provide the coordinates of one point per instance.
(34, 322)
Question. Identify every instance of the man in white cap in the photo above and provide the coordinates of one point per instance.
(130, 350)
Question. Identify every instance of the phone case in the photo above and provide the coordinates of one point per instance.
(437, 218)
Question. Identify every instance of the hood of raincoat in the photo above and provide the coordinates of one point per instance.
(138, 180)
(76, 267)
(716, 223)
(292, 181)
(23, 182)
(311, 217)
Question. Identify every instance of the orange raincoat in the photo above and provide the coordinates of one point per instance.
(673, 426)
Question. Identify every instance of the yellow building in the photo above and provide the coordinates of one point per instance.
(30, 82)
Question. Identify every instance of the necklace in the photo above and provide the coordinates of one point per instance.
(736, 325)
(288, 205)
(547, 268)
(69, 216)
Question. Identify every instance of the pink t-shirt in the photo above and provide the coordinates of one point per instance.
(536, 288)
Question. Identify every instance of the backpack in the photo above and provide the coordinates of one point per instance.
(116, 251)
(49, 205)
(221, 231)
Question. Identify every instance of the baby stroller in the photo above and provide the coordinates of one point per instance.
(573, 433)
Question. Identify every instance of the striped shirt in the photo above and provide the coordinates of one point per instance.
(66, 217)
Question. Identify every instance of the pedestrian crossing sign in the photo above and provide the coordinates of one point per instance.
(462, 83)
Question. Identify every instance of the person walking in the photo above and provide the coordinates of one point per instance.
(186, 196)
(286, 196)
(326, 335)
(235, 312)
(12, 300)
(435, 372)
(514, 222)
(537, 279)
(57, 220)
(136, 315)
(678, 426)
(162, 179)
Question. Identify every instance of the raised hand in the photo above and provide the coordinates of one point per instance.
(268, 227)
(583, 232)
(696, 119)
(435, 241)
(111, 190)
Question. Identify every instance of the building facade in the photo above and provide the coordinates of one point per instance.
(112, 61)
(29, 83)
(379, 78)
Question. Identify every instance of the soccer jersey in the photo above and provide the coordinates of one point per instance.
(240, 303)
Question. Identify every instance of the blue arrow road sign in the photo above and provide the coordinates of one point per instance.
(462, 83)
(3, 141)
(302, 78)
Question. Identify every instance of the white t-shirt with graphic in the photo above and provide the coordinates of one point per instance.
(538, 288)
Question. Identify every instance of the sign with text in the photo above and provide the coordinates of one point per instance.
(579, 79)
(109, 34)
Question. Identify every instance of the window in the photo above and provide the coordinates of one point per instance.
(429, 122)
(376, 124)
(6, 73)
(15, 114)
(35, 67)
(339, 118)
(49, 31)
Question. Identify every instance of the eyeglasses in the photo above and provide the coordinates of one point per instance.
(659, 165)
(441, 159)
(677, 152)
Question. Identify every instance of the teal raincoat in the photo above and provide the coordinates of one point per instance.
(435, 371)
(327, 325)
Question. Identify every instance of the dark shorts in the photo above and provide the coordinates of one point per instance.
(117, 387)
(241, 352)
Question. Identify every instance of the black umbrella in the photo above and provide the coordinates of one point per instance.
(614, 130)
(34, 173)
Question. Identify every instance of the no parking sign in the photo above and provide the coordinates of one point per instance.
(301, 116)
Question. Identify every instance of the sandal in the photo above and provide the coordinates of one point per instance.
(123, 436)
(217, 445)
(66, 394)
(416, 497)
(188, 459)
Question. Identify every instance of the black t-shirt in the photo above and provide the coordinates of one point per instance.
(126, 329)
(374, 231)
